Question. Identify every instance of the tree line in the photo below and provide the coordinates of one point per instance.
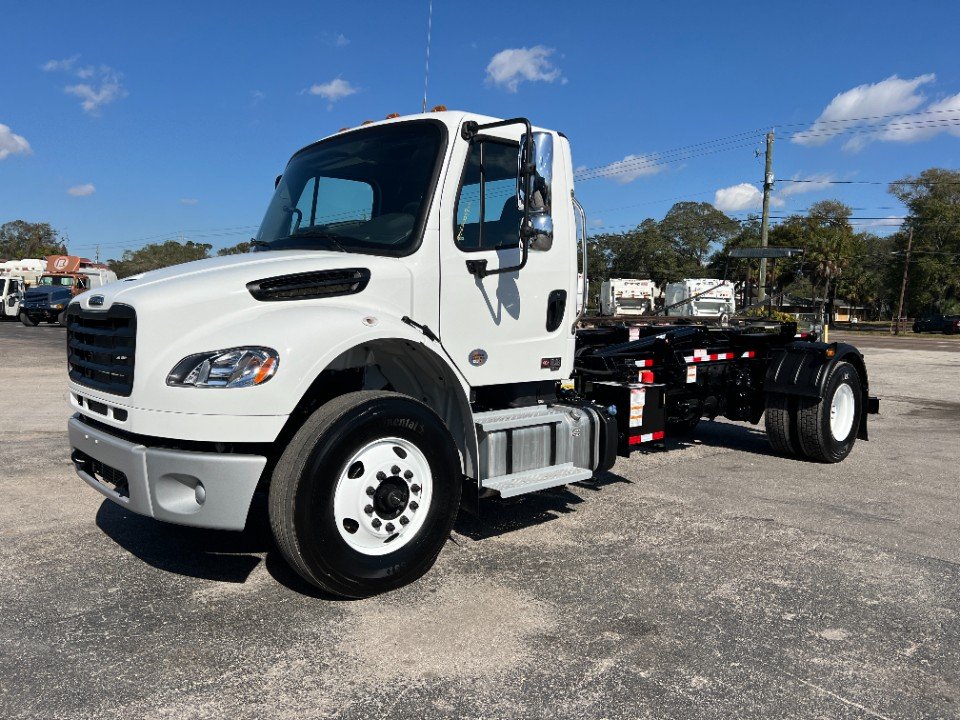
(694, 239)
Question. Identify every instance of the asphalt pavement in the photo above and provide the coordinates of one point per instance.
(714, 580)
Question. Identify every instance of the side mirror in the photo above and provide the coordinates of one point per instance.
(535, 188)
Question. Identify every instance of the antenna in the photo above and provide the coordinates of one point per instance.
(426, 71)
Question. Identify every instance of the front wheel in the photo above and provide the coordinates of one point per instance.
(27, 320)
(364, 496)
(827, 427)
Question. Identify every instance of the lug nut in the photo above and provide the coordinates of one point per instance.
(376, 523)
(370, 491)
(395, 470)
(388, 527)
(415, 488)
(368, 509)
(404, 520)
(414, 505)
(408, 474)
(381, 476)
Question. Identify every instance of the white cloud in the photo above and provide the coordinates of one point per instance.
(508, 68)
(11, 143)
(85, 190)
(938, 117)
(737, 198)
(103, 86)
(341, 40)
(811, 183)
(627, 170)
(335, 90)
(868, 104)
(889, 221)
(65, 65)
(188, 201)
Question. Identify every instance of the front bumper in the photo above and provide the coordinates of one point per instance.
(211, 490)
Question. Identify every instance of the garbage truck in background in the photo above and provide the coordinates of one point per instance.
(700, 298)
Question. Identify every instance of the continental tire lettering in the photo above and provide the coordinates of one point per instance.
(406, 424)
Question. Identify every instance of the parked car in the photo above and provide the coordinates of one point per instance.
(947, 324)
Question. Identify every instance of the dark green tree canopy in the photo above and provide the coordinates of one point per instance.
(158, 255)
(696, 229)
(933, 204)
(21, 239)
(238, 249)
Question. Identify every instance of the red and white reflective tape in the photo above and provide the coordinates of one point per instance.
(643, 363)
(648, 437)
(749, 354)
(702, 356)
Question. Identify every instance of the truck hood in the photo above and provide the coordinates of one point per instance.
(203, 285)
(49, 294)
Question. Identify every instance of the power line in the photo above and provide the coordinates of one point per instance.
(651, 161)
(873, 182)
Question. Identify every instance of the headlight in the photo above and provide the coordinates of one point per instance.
(58, 307)
(233, 368)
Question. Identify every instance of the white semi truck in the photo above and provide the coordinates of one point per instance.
(407, 331)
(625, 297)
(701, 298)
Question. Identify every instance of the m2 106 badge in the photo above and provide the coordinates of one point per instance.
(550, 363)
(478, 357)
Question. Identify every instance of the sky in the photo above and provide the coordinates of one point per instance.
(126, 123)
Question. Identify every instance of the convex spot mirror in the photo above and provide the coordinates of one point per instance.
(535, 189)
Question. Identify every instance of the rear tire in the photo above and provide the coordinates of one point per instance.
(780, 420)
(27, 320)
(828, 426)
(329, 527)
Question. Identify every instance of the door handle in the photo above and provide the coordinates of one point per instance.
(556, 307)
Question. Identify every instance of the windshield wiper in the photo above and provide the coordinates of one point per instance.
(253, 242)
(319, 235)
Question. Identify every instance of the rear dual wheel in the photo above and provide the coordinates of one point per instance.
(364, 496)
(822, 429)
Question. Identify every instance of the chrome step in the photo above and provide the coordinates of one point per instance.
(495, 420)
(539, 479)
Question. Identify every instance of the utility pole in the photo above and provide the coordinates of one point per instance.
(97, 256)
(765, 221)
(903, 285)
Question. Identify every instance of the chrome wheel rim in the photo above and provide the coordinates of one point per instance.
(841, 412)
(382, 496)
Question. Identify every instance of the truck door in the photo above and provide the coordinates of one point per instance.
(515, 326)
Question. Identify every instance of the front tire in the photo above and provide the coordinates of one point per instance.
(330, 527)
(828, 426)
(27, 320)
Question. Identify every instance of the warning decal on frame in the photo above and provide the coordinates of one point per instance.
(638, 397)
(691, 373)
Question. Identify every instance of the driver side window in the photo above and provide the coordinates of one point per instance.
(488, 188)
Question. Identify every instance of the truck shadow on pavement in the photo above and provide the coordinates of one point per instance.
(227, 556)
(219, 555)
(493, 517)
(748, 439)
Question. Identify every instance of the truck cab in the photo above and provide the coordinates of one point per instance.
(67, 276)
(404, 331)
(11, 294)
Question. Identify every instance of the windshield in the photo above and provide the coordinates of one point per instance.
(64, 280)
(365, 191)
